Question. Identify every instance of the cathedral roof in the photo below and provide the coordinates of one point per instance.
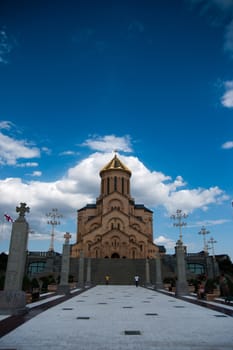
(115, 164)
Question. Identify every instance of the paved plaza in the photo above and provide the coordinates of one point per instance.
(123, 317)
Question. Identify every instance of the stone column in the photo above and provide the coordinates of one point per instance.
(209, 266)
(88, 281)
(216, 267)
(64, 287)
(181, 283)
(158, 273)
(81, 270)
(147, 273)
(13, 298)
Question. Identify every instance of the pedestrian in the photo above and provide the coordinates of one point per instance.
(223, 285)
(201, 290)
(107, 278)
(136, 279)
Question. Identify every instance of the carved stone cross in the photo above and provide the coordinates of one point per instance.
(67, 237)
(22, 209)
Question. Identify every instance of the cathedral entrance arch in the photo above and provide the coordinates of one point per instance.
(115, 256)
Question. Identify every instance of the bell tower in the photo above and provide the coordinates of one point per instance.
(115, 226)
(115, 177)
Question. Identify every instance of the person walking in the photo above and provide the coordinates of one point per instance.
(107, 278)
(201, 291)
(224, 288)
(136, 279)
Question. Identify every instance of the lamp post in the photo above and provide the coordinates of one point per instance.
(214, 262)
(53, 215)
(179, 216)
(212, 242)
(204, 232)
(181, 283)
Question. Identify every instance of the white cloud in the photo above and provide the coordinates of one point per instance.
(81, 185)
(67, 153)
(109, 143)
(36, 173)
(227, 145)
(5, 124)
(227, 99)
(40, 237)
(211, 222)
(5, 229)
(12, 150)
(190, 200)
(167, 242)
(27, 165)
(5, 46)
(46, 150)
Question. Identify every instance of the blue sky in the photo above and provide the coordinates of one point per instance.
(152, 79)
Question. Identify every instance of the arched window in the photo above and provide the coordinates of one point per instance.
(115, 242)
(115, 183)
(102, 186)
(122, 185)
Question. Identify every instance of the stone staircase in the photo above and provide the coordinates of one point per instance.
(121, 271)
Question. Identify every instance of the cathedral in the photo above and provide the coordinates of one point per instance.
(115, 238)
(115, 226)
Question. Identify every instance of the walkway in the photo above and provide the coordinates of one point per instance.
(123, 318)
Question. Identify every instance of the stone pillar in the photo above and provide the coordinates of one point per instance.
(216, 267)
(181, 283)
(158, 273)
(64, 287)
(88, 281)
(147, 273)
(81, 270)
(210, 267)
(13, 298)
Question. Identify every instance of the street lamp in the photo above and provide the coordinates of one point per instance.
(204, 232)
(179, 216)
(212, 242)
(54, 215)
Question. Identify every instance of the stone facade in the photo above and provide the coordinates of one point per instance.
(115, 227)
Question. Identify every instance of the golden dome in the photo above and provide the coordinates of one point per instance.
(115, 164)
